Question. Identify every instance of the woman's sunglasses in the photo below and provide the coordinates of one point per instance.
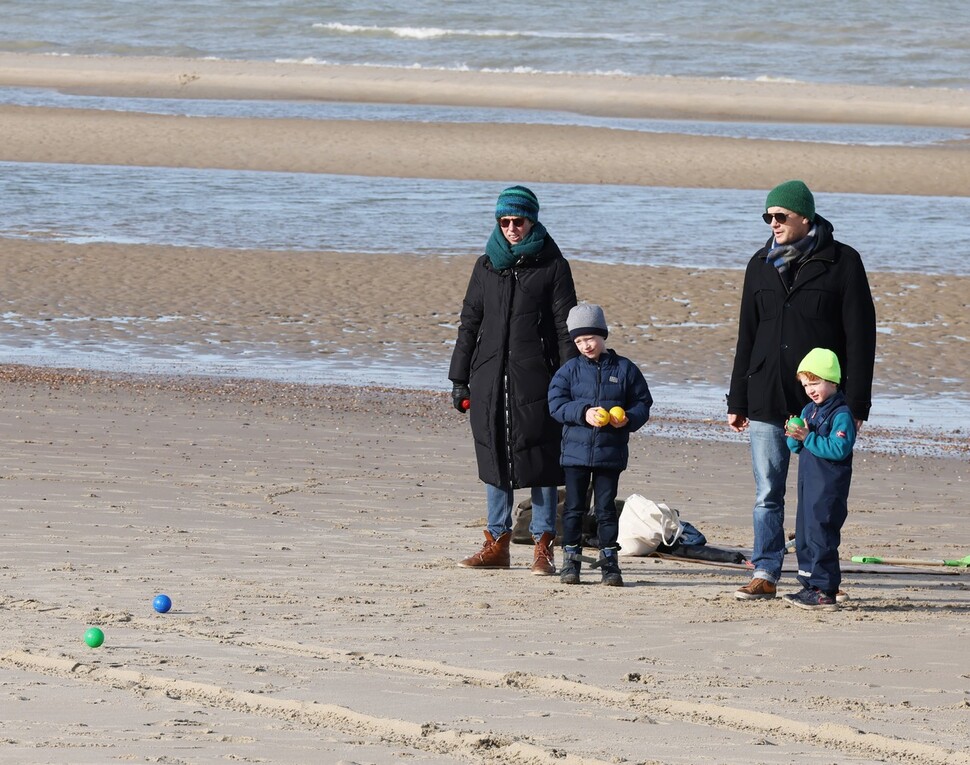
(506, 222)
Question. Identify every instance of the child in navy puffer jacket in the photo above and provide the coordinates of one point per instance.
(595, 445)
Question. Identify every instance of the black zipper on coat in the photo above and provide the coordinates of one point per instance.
(508, 383)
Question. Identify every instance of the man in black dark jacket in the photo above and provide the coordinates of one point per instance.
(802, 290)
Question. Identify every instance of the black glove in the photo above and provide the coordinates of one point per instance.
(460, 397)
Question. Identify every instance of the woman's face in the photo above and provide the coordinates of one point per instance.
(515, 229)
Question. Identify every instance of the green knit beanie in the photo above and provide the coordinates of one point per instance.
(794, 196)
(822, 363)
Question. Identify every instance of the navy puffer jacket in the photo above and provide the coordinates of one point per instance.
(581, 384)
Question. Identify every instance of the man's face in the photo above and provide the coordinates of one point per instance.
(787, 226)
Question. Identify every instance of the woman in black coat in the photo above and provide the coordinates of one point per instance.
(511, 340)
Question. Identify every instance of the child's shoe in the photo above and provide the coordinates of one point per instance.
(569, 571)
(812, 599)
(610, 566)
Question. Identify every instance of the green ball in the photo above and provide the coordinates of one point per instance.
(94, 637)
(796, 422)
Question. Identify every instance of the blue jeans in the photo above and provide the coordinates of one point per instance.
(769, 462)
(499, 501)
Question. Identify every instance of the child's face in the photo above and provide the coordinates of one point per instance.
(818, 390)
(591, 346)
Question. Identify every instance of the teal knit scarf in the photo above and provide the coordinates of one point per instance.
(504, 255)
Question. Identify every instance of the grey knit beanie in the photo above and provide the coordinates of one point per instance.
(586, 319)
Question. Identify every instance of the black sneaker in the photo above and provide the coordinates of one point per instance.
(610, 567)
(569, 571)
(812, 599)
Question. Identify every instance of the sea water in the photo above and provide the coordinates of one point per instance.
(636, 225)
(885, 43)
(874, 42)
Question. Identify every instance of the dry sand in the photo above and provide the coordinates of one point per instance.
(308, 539)
(308, 535)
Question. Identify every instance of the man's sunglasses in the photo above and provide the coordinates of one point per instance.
(778, 217)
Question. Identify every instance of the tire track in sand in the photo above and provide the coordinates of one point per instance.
(477, 747)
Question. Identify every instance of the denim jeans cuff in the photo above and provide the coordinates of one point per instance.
(761, 574)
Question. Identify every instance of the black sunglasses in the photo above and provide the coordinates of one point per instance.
(779, 217)
(506, 222)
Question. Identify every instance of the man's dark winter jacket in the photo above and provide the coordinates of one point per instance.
(610, 381)
(511, 340)
(829, 306)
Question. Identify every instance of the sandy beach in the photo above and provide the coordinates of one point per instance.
(543, 153)
(308, 534)
(308, 539)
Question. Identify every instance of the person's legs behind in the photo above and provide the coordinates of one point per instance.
(770, 459)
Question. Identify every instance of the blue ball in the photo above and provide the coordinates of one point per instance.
(162, 603)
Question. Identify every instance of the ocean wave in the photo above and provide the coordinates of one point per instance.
(431, 33)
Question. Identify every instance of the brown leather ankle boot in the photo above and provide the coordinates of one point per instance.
(494, 553)
(543, 560)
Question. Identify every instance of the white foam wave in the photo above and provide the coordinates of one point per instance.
(431, 33)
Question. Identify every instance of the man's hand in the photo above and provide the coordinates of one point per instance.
(737, 422)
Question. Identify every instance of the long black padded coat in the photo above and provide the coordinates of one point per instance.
(511, 340)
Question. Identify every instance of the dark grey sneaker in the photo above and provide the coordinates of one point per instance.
(571, 563)
(812, 599)
(610, 567)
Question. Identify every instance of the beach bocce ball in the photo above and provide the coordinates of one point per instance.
(162, 603)
(796, 422)
(617, 414)
(601, 416)
(94, 637)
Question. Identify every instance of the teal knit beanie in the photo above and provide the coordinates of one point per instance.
(794, 196)
(517, 202)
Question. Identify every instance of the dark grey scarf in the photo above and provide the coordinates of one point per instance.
(788, 257)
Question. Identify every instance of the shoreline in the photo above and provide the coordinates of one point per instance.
(668, 97)
(677, 421)
(479, 151)
(679, 323)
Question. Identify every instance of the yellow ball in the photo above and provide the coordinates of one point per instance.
(617, 414)
(601, 416)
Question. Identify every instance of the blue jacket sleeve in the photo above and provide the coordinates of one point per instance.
(561, 405)
(838, 444)
(639, 399)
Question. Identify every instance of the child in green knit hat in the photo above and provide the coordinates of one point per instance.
(823, 441)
